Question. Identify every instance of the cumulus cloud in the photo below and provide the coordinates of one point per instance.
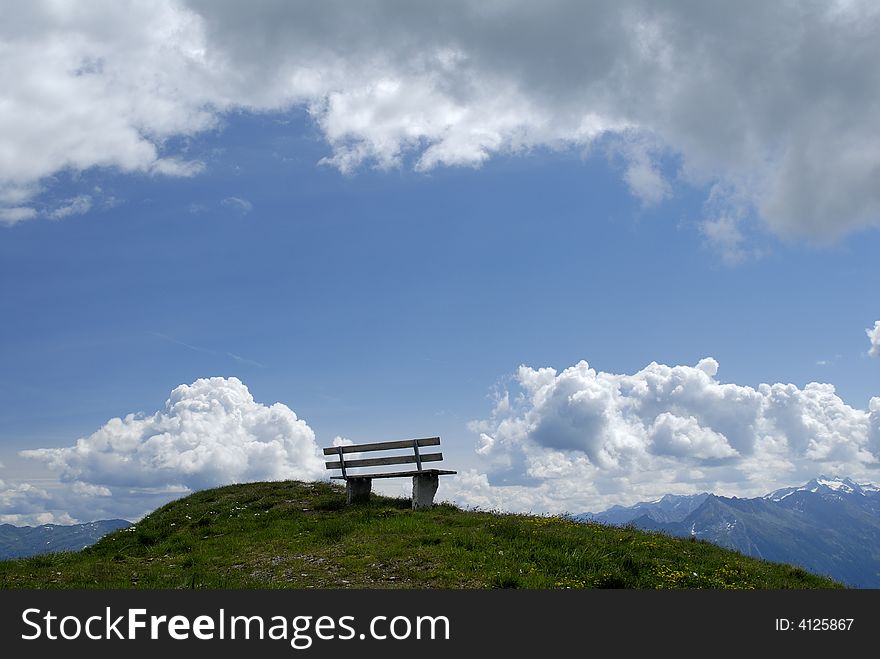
(94, 86)
(775, 101)
(874, 338)
(584, 439)
(22, 502)
(55, 502)
(210, 433)
(91, 490)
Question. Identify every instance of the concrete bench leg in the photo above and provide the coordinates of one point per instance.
(424, 489)
(357, 490)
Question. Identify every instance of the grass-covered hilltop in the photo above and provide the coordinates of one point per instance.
(302, 535)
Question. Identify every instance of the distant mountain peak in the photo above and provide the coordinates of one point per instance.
(668, 508)
(825, 485)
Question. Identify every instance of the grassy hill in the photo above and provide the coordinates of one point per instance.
(302, 535)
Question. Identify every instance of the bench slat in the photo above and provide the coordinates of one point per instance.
(382, 446)
(393, 460)
(393, 474)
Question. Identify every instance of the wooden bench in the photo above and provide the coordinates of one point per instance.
(358, 485)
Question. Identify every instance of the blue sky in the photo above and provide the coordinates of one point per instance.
(386, 299)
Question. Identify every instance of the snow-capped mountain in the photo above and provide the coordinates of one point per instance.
(830, 526)
(826, 485)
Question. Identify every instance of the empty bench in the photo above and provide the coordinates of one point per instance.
(358, 484)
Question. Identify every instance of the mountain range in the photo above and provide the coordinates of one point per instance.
(830, 526)
(25, 541)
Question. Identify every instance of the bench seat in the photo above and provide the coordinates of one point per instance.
(392, 474)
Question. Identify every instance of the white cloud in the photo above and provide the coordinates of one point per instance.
(245, 361)
(874, 338)
(38, 519)
(241, 205)
(177, 167)
(646, 182)
(582, 439)
(93, 85)
(79, 205)
(775, 101)
(25, 504)
(14, 214)
(642, 170)
(210, 433)
(12, 495)
(91, 490)
(724, 234)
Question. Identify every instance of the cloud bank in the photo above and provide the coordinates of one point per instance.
(24, 504)
(210, 433)
(771, 106)
(584, 439)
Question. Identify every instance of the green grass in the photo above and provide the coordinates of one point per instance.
(302, 535)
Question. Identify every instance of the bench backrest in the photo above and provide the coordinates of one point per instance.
(416, 457)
